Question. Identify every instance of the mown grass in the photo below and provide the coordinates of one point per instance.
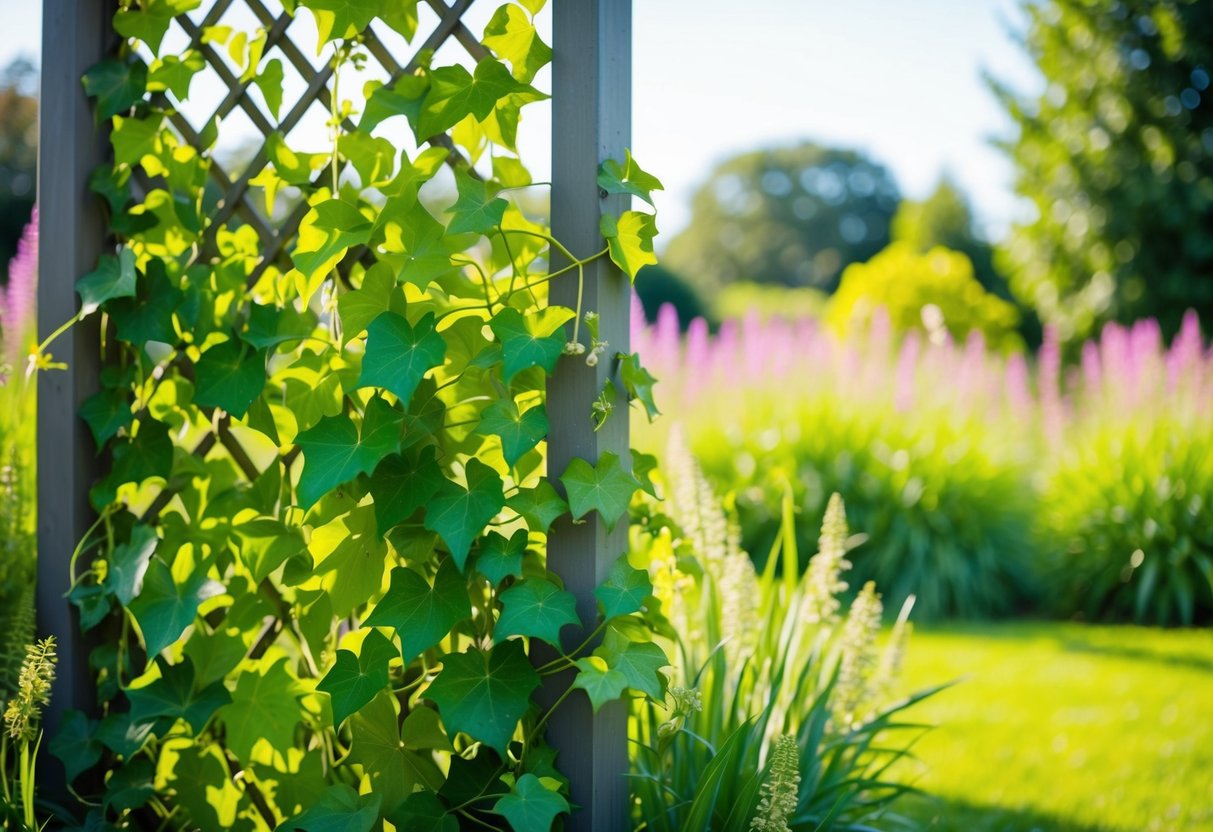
(1064, 728)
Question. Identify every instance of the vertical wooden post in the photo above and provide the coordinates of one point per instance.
(71, 234)
(591, 122)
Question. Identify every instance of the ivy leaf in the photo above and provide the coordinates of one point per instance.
(376, 295)
(408, 229)
(229, 376)
(150, 20)
(164, 608)
(373, 158)
(378, 746)
(605, 488)
(484, 694)
(353, 680)
(539, 506)
(519, 432)
(400, 486)
(601, 682)
(338, 19)
(424, 812)
(458, 515)
(131, 785)
(512, 35)
(455, 93)
(639, 384)
(148, 314)
(106, 412)
(263, 706)
(624, 591)
(525, 343)
(269, 80)
(114, 277)
(531, 806)
(325, 234)
(334, 452)
(175, 695)
(630, 240)
(116, 85)
(176, 73)
(421, 614)
(627, 178)
(76, 744)
(128, 564)
(643, 465)
(399, 355)
(499, 556)
(640, 662)
(474, 211)
(536, 607)
(340, 809)
(401, 15)
(267, 543)
(134, 138)
(403, 98)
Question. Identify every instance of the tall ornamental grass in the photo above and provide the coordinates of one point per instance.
(928, 442)
(1126, 498)
(779, 714)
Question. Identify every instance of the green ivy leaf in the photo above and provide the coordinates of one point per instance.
(148, 20)
(512, 35)
(640, 662)
(601, 682)
(338, 19)
(373, 158)
(627, 178)
(114, 277)
(354, 679)
(639, 384)
(539, 506)
(402, 98)
(266, 544)
(106, 412)
(394, 767)
(334, 452)
(229, 376)
(325, 234)
(134, 138)
(474, 211)
(531, 806)
(116, 85)
(519, 432)
(500, 557)
(269, 81)
(536, 607)
(175, 695)
(422, 615)
(263, 706)
(605, 488)
(176, 73)
(128, 564)
(484, 694)
(401, 16)
(376, 295)
(76, 744)
(148, 315)
(400, 486)
(340, 809)
(643, 466)
(130, 786)
(625, 589)
(164, 608)
(630, 240)
(424, 812)
(455, 93)
(458, 515)
(534, 341)
(408, 229)
(398, 355)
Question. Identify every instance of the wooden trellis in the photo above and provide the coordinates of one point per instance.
(591, 83)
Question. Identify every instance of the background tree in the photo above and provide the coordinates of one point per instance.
(794, 216)
(1117, 158)
(18, 153)
(657, 285)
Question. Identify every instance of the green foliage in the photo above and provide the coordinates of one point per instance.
(657, 286)
(793, 216)
(933, 292)
(743, 298)
(763, 662)
(321, 545)
(1115, 156)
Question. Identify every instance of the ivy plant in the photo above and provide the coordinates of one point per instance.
(319, 567)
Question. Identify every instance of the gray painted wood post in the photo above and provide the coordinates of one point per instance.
(591, 121)
(71, 234)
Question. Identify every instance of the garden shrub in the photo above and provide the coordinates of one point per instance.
(932, 292)
(779, 714)
(1126, 529)
(318, 570)
(928, 444)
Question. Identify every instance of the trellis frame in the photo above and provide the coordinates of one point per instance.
(591, 122)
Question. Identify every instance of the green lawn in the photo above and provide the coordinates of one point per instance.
(1064, 728)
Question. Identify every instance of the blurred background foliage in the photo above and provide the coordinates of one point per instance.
(18, 152)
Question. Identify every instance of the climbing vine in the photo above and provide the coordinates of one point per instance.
(319, 566)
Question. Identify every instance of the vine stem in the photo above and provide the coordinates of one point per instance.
(552, 666)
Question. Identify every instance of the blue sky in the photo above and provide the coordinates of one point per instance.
(899, 80)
